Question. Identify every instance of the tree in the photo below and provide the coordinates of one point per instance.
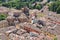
(30, 6)
(58, 10)
(55, 6)
(0, 1)
(2, 17)
(18, 4)
(40, 0)
(38, 6)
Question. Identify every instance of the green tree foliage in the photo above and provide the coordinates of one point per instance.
(58, 10)
(2, 17)
(52, 0)
(10, 4)
(55, 6)
(38, 6)
(0, 1)
(30, 6)
(18, 4)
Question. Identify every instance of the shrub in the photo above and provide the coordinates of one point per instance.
(38, 7)
(2, 16)
(55, 38)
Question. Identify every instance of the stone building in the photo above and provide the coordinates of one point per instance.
(25, 10)
(3, 36)
(4, 10)
(22, 18)
(14, 11)
(3, 23)
(10, 20)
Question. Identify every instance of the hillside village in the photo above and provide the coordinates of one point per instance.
(29, 24)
